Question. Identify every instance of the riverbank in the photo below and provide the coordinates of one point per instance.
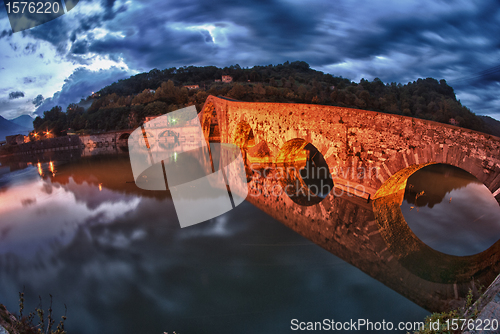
(487, 308)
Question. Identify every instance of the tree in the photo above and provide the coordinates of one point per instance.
(155, 108)
(237, 92)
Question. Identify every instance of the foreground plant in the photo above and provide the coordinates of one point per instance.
(454, 321)
(24, 324)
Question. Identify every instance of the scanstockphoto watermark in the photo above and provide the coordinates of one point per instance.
(275, 181)
(31, 13)
(353, 173)
(205, 180)
(354, 325)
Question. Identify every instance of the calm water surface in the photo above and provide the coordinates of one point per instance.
(117, 257)
(451, 211)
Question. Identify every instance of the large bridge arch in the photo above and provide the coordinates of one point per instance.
(410, 251)
(474, 152)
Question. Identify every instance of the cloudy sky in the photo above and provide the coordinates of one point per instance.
(102, 41)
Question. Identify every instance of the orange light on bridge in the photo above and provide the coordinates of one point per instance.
(40, 169)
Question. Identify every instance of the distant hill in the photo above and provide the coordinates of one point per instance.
(126, 103)
(8, 128)
(24, 121)
(492, 124)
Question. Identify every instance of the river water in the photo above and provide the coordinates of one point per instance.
(116, 256)
(451, 211)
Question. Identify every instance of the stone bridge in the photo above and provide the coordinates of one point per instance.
(370, 155)
(109, 142)
(362, 147)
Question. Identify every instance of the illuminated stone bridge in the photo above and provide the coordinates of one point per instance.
(104, 143)
(370, 156)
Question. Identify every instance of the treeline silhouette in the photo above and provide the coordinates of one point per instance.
(125, 104)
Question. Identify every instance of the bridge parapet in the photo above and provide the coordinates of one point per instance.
(362, 147)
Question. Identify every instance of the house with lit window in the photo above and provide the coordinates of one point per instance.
(227, 78)
(16, 139)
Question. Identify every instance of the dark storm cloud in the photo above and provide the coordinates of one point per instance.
(167, 47)
(15, 95)
(158, 35)
(270, 23)
(30, 48)
(109, 13)
(37, 101)
(29, 80)
(80, 47)
(79, 85)
(454, 43)
(6, 33)
(85, 24)
(449, 33)
(61, 32)
(56, 32)
(397, 42)
(479, 78)
(207, 36)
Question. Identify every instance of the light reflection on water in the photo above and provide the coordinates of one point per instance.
(39, 214)
(120, 262)
(456, 214)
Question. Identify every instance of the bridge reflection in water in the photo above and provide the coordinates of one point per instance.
(376, 239)
(360, 220)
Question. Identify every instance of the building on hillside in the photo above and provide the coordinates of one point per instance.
(149, 118)
(16, 139)
(192, 87)
(453, 121)
(227, 78)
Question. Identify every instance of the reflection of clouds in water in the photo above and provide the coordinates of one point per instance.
(125, 264)
(90, 195)
(120, 239)
(467, 225)
(28, 201)
(144, 270)
(218, 228)
(108, 271)
(18, 177)
(431, 184)
(51, 214)
(47, 188)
